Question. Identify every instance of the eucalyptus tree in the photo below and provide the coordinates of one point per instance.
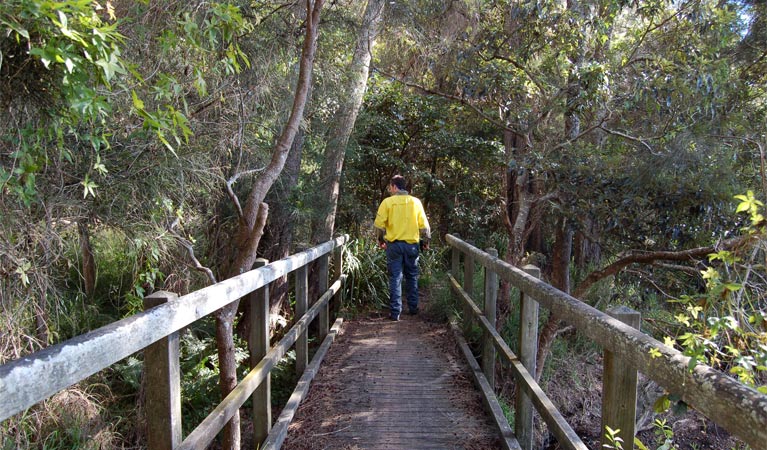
(342, 124)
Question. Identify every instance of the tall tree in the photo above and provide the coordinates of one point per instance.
(342, 125)
(252, 218)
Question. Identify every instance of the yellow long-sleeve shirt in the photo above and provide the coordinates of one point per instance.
(403, 218)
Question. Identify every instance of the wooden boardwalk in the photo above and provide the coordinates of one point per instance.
(392, 385)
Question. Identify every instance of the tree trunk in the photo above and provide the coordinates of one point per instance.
(560, 279)
(323, 222)
(563, 244)
(586, 248)
(253, 219)
(518, 200)
(278, 233)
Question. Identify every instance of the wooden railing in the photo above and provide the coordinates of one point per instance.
(29, 380)
(738, 408)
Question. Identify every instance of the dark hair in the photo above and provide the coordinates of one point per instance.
(399, 181)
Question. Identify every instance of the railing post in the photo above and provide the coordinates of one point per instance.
(455, 263)
(491, 297)
(302, 305)
(468, 286)
(258, 343)
(619, 385)
(528, 349)
(322, 284)
(338, 271)
(163, 384)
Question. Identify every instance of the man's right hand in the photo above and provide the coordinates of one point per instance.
(382, 245)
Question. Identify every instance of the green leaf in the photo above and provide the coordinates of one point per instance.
(137, 102)
(662, 404)
(639, 445)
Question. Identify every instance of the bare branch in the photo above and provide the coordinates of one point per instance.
(230, 182)
(635, 256)
(580, 135)
(686, 269)
(190, 250)
(628, 137)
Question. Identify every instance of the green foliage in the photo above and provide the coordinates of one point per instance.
(662, 430)
(368, 283)
(725, 326)
(615, 441)
(441, 150)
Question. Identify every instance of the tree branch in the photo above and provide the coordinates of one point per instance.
(636, 256)
(459, 99)
(628, 137)
(190, 250)
(230, 182)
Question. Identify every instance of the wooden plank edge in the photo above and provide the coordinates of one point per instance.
(279, 431)
(508, 439)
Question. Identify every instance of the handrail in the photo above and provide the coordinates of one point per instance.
(206, 431)
(736, 407)
(549, 413)
(31, 379)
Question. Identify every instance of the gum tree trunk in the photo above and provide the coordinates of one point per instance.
(253, 219)
(342, 126)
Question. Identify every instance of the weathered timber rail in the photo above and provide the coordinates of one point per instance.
(29, 380)
(738, 408)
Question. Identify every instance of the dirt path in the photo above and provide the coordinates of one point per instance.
(392, 385)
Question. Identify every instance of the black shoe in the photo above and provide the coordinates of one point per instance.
(394, 318)
(413, 312)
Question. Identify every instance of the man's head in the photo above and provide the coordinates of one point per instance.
(399, 182)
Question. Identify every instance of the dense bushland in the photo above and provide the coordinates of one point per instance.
(604, 141)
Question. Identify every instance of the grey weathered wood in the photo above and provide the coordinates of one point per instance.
(468, 286)
(565, 435)
(491, 298)
(207, 430)
(163, 384)
(455, 263)
(322, 284)
(259, 347)
(28, 380)
(277, 435)
(376, 390)
(740, 409)
(528, 350)
(508, 440)
(338, 270)
(619, 385)
(302, 304)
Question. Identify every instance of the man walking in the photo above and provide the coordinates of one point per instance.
(401, 223)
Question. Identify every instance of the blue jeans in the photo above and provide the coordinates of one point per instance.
(402, 259)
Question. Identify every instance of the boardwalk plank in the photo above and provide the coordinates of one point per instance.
(392, 385)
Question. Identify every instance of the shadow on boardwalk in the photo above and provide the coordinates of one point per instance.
(392, 385)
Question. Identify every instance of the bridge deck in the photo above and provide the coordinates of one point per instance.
(392, 385)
